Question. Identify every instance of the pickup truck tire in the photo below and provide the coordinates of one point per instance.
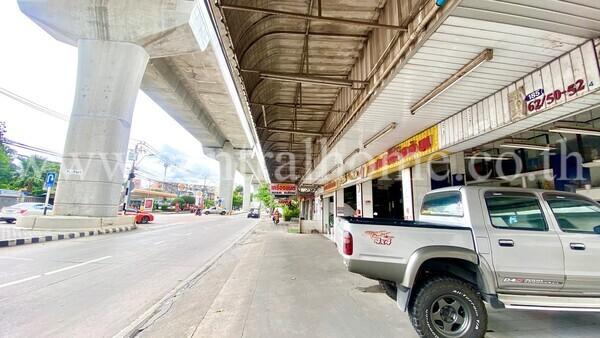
(448, 307)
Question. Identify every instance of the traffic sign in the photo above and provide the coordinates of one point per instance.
(50, 179)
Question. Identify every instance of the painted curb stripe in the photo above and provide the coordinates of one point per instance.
(49, 238)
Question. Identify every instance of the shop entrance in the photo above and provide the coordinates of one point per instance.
(387, 197)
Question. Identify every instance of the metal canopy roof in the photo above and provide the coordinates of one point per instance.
(523, 34)
(294, 56)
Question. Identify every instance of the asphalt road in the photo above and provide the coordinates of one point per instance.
(97, 286)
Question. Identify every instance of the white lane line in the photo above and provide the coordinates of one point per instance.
(54, 271)
(76, 266)
(186, 234)
(20, 281)
(159, 242)
(16, 258)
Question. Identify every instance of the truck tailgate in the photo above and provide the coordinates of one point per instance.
(383, 251)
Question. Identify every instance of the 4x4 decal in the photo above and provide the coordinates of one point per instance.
(380, 237)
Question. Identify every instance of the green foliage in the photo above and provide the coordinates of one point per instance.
(209, 203)
(188, 199)
(32, 174)
(264, 195)
(7, 169)
(290, 211)
(238, 197)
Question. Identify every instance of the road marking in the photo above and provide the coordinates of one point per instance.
(76, 265)
(16, 258)
(19, 281)
(54, 271)
(159, 242)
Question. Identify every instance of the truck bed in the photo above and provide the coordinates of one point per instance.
(382, 248)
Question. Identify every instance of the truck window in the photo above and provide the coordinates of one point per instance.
(519, 211)
(442, 204)
(574, 214)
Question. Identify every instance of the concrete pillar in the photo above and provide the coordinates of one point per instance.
(367, 199)
(421, 184)
(226, 160)
(457, 168)
(109, 75)
(247, 192)
(407, 194)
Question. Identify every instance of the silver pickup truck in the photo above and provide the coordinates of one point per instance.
(509, 248)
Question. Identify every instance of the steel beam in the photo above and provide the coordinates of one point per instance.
(290, 131)
(311, 17)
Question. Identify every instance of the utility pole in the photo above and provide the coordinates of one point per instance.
(131, 176)
(166, 165)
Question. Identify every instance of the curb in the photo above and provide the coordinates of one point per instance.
(133, 329)
(62, 236)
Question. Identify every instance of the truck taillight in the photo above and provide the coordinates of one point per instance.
(348, 245)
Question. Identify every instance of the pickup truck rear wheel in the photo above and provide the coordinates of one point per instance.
(450, 308)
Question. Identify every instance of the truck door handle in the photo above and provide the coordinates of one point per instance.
(577, 246)
(506, 242)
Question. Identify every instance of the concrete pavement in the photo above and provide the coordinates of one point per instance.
(97, 286)
(276, 284)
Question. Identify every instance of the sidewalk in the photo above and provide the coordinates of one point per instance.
(277, 284)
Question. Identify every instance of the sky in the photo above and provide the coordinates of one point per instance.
(41, 69)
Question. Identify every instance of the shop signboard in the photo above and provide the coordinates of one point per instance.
(331, 186)
(566, 78)
(284, 189)
(405, 153)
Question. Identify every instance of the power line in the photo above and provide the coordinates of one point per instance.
(33, 105)
(31, 148)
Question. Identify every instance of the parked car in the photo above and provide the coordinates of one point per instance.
(12, 213)
(215, 210)
(253, 213)
(143, 217)
(511, 248)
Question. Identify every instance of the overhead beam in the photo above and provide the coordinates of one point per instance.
(311, 17)
(305, 78)
(299, 107)
(290, 131)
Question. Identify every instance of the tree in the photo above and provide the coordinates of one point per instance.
(32, 174)
(264, 195)
(209, 203)
(7, 169)
(238, 198)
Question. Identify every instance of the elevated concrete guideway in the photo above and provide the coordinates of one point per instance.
(171, 51)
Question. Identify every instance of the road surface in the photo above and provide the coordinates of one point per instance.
(97, 286)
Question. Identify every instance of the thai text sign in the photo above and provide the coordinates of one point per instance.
(403, 154)
(283, 189)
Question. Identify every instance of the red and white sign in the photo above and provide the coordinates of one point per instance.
(380, 237)
(284, 189)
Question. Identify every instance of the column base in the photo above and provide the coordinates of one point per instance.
(73, 223)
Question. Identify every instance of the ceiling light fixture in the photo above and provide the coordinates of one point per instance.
(380, 134)
(486, 55)
(577, 131)
(517, 145)
(332, 170)
(354, 152)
